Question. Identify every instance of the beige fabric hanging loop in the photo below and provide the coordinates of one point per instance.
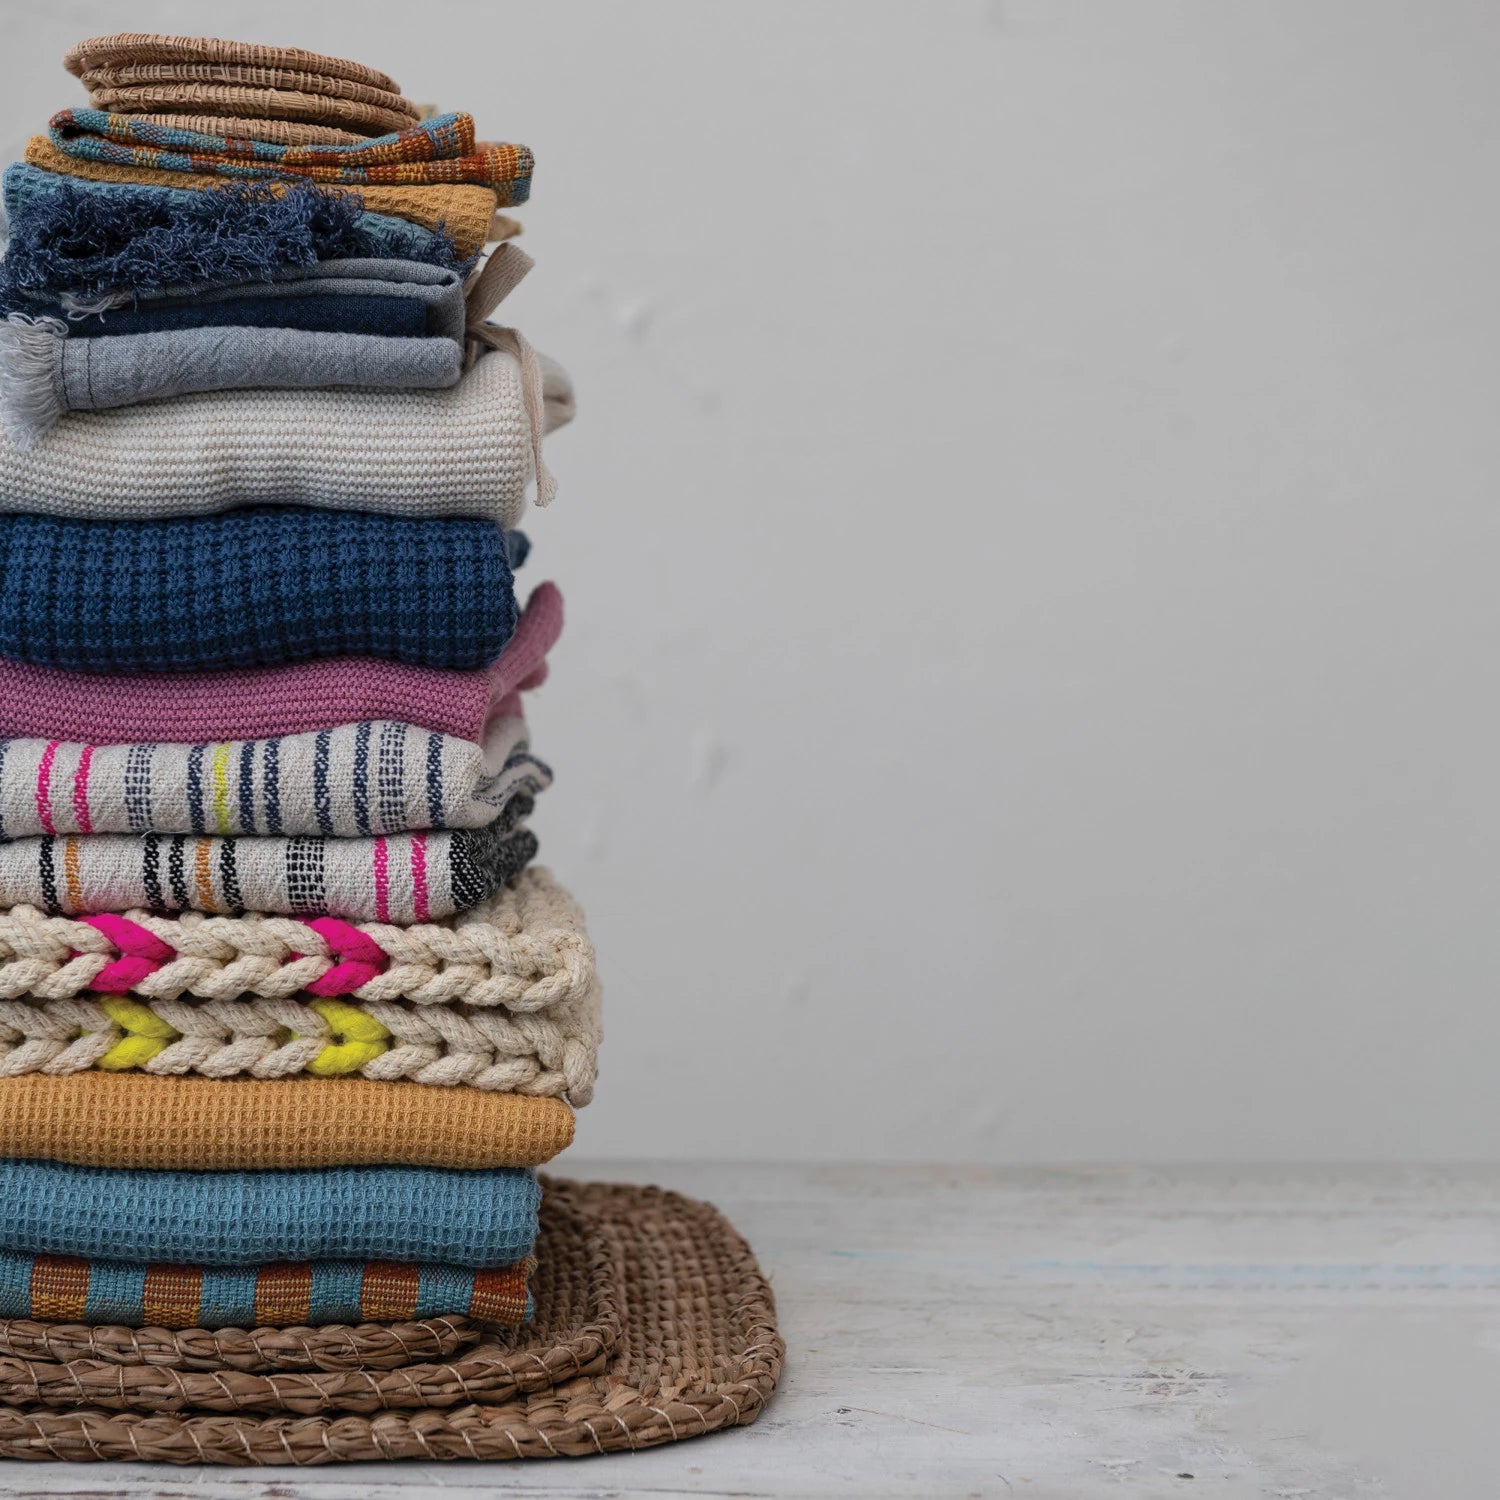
(487, 288)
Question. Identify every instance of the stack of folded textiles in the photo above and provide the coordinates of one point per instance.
(288, 1016)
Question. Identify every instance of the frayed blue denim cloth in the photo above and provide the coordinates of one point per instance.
(462, 1218)
(88, 241)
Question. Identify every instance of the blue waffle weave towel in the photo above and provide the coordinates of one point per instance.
(424, 1214)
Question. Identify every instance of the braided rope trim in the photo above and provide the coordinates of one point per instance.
(525, 949)
(553, 1053)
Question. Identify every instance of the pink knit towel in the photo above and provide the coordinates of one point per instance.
(262, 702)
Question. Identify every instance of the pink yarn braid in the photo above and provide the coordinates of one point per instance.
(360, 958)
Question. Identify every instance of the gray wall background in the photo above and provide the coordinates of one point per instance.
(1030, 543)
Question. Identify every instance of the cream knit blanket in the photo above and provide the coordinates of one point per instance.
(466, 451)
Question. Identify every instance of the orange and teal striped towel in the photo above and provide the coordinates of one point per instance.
(442, 149)
(72, 1289)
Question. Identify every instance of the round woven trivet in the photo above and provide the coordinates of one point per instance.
(140, 75)
(241, 103)
(278, 132)
(578, 1299)
(653, 1323)
(373, 1346)
(146, 48)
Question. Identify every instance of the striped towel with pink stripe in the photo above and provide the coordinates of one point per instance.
(401, 878)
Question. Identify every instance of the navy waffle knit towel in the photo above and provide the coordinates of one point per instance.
(253, 588)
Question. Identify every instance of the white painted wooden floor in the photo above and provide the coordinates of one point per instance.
(1119, 1332)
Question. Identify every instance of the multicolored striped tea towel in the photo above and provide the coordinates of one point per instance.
(75, 1289)
(442, 149)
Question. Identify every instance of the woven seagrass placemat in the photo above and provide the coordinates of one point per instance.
(153, 49)
(653, 1323)
(232, 99)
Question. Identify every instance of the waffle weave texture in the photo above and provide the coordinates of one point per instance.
(127, 1294)
(201, 1124)
(442, 149)
(264, 702)
(465, 451)
(252, 587)
(462, 210)
(354, 781)
(247, 1218)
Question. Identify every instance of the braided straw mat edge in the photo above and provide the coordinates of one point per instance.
(136, 47)
(653, 1324)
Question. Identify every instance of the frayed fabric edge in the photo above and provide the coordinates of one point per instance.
(31, 397)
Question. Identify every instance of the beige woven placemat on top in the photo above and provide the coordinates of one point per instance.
(152, 49)
(653, 1323)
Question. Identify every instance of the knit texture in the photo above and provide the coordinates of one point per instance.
(89, 241)
(465, 451)
(525, 950)
(130, 1294)
(442, 1046)
(263, 702)
(403, 877)
(235, 1218)
(201, 1124)
(252, 587)
(463, 210)
(354, 781)
(442, 149)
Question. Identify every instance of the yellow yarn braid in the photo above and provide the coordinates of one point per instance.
(146, 1034)
(361, 1039)
(358, 1038)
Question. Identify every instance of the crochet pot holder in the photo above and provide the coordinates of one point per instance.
(653, 1323)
